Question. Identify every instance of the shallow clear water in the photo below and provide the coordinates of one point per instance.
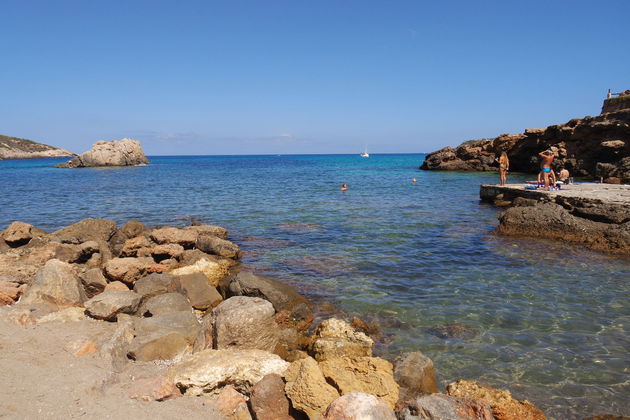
(547, 321)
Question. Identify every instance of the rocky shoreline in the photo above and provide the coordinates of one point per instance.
(17, 148)
(595, 147)
(163, 321)
(594, 215)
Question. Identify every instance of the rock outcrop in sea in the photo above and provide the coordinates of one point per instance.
(597, 147)
(168, 313)
(16, 148)
(125, 152)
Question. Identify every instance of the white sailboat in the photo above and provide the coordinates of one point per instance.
(365, 153)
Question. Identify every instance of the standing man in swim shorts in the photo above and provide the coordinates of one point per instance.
(547, 158)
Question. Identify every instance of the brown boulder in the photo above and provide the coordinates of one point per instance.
(133, 228)
(371, 375)
(213, 245)
(415, 374)
(211, 230)
(503, 405)
(86, 230)
(231, 404)
(307, 388)
(166, 251)
(268, 399)
(56, 283)
(133, 245)
(94, 282)
(198, 290)
(19, 234)
(154, 284)
(171, 235)
(116, 285)
(127, 270)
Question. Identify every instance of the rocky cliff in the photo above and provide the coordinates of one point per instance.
(591, 146)
(125, 152)
(16, 148)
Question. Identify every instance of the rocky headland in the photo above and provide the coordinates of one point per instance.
(594, 215)
(107, 321)
(596, 147)
(125, 152)
(16, 148)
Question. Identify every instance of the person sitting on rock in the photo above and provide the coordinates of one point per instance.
(546, 171)
(564, 175)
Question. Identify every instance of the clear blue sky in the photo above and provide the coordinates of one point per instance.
(249, 77)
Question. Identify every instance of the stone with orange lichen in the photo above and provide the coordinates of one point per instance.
(503, 405)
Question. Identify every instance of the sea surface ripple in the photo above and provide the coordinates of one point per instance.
(547, 321)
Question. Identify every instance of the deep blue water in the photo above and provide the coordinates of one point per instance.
(550, 322)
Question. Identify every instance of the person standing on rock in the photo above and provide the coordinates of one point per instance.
(504, 166)
(545, 167)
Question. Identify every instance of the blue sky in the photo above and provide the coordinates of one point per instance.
(251, 77)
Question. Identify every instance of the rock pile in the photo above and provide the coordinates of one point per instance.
(590, 146)
(237, 340)
(125, 152)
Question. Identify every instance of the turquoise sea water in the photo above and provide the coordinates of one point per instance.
(549, 322)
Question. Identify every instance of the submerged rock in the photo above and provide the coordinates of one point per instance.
(454, 330)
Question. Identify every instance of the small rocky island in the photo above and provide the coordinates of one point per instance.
(125, 152)
(595, 147)
(132, 321)
(17, 148)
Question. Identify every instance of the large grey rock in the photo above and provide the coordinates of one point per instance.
(440, 406)
(213, 245)
(56, 283)
(283, 297)
(183, 322)
(242, 322)
(336, 338)
(125, 152)
(415, 374)
(110, 303)
(167, 302)
(358, 406)
(154, 284)
(196, 287)
(208, 370)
